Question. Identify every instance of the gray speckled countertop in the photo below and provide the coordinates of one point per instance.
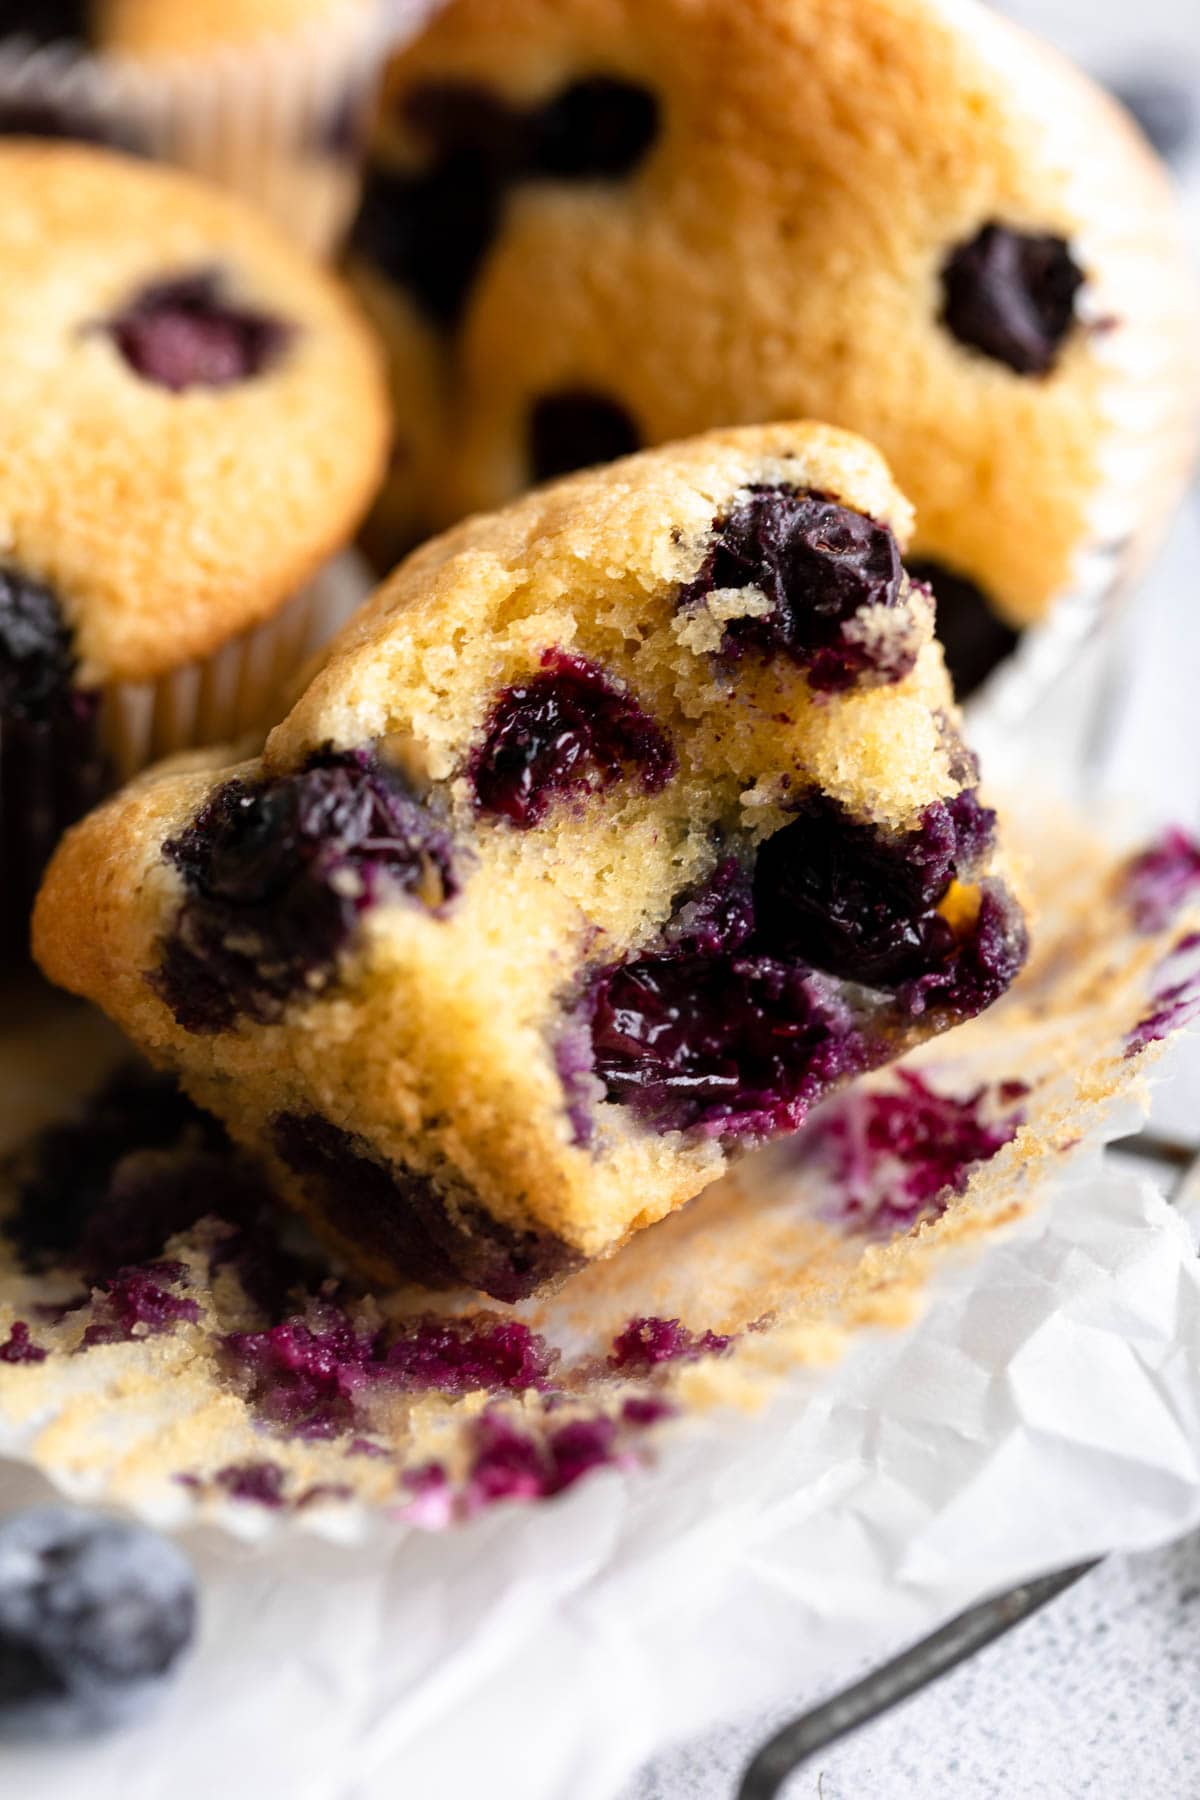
(1097, 1696)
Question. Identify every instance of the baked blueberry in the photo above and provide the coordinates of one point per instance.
(576, 430)
(47, 21)
(185, 332)
(826, 573)
(598, 129)
(693, 892)
(1011, 294)
(37, 657)
(276, 874)
(95, 1615)
(568, 729)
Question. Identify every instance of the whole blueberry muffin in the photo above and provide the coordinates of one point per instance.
(266, 96)
(593, 225)
(617, 829)
(193, 423)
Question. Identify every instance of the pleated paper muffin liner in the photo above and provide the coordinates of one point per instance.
(180, 1351)
(278, 121)
(240, 688)
(54, 769)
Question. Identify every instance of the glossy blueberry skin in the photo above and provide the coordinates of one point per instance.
(95, 1615)
(823, 567)
(1011, 296)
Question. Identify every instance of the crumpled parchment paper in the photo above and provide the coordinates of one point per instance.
(827, 1486)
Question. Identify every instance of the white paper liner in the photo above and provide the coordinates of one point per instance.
(1044, 1410)
(277, 121)
(794, 1256)
(242, 687)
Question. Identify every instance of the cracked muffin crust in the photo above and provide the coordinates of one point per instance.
(906, 217)
(617, 829)
(193, 422)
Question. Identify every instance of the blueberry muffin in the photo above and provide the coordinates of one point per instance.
(592, 225)
(614, 832)
(263, 95)
(193, 422)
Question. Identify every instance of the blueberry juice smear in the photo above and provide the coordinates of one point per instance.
(276, 875)
(774, 982)
(569, 729)
(821, 566)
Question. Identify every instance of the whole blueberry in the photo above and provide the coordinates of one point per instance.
(94, 1616)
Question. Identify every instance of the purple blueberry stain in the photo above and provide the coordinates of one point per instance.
(188, 332)
(1160, 881)
(1175, 999)
(647, 1343)
(569, 730)
(104, 1190)
(140, 1302)
(258, 1483)
(277, 873)
(822, 568)
(1011, 295)
(510, 1463)
(19, 1346)
(310, 1376)
(894, 1153)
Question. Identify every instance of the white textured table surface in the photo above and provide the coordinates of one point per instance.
(1099, 1695)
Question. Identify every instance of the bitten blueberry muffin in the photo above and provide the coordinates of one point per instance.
(193, 421)
(615, 831)
(594, 225)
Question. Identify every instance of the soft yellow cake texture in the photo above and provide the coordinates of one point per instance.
(712, 212)
(428, 1084)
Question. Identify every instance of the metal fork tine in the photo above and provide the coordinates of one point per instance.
(905, 1675)
(898, 1680)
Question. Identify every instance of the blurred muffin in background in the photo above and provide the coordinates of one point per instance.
(193, 420)
(590, 226)
(265, 96)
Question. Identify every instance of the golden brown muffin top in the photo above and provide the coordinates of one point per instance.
(705, 214)
(193, 415)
